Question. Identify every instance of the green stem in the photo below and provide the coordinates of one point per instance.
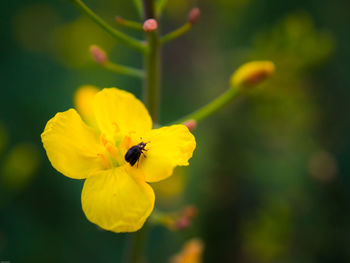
(137, 246)
(139, 7)
(121, 37)
(152, 78)
(149, 9)
(212, 107)
(124, 70)
(152, 59)
(161, 4)
(129, 24)
(176, 33)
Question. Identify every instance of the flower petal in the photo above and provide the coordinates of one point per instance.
(167, 148)
(120, 111)
(117, 201)
(72, 147)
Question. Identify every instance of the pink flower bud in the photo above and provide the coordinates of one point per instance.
(194, 15)
(190, 211)
(185, 217)
(98, 54)
(150, 25)
(182, 223)
(119, 19)
(190, 124)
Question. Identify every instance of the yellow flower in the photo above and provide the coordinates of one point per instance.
(116, 195)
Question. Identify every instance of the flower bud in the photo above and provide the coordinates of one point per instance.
(185, 217)
(98, 54)
(193, 16)
(182, 223)
(150, 25)
(119, 19)
(252, 73)
(190, 124)
(190, 253)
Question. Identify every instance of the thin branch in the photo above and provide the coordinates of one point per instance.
(121, 37)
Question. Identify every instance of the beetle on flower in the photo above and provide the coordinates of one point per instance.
(116, 195)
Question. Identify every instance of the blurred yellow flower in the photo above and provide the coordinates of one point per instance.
(191, 252)
(19, 166)
(83, 101)
(116, 195)
(170, 190)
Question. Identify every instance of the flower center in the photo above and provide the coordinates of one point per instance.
(115, 149)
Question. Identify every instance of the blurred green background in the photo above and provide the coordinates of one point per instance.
(270, 175)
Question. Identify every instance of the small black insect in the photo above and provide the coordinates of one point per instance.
(134, 153)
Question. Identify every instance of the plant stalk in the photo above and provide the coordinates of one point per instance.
(152, 78)
(121, 37)
(137, 246)
(152, 69)
(212, 107)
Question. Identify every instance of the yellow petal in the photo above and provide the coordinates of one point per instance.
(72, 147)
(120, 111)
(117, 201)
(167, 148)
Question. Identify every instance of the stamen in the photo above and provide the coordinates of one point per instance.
(103, 139)
(114, 151)
(105, 160)
(116, 127)
(126, 143)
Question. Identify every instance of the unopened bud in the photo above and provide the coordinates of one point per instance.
(190, 124)
(119, 19)
(182, 223)
(193, 16)
(191, 252)
(190, 211)
(150, 25)
(98, 54)
(252, 73)
(185, 217)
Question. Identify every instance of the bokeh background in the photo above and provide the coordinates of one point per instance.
(270, 175)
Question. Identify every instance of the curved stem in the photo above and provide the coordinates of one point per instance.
(139, 7)
(121, 37)
(160, 7)
(124, 70)
(176, 33)
(129, 23)
(212, 107)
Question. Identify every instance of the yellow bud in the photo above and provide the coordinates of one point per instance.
(252, 73)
